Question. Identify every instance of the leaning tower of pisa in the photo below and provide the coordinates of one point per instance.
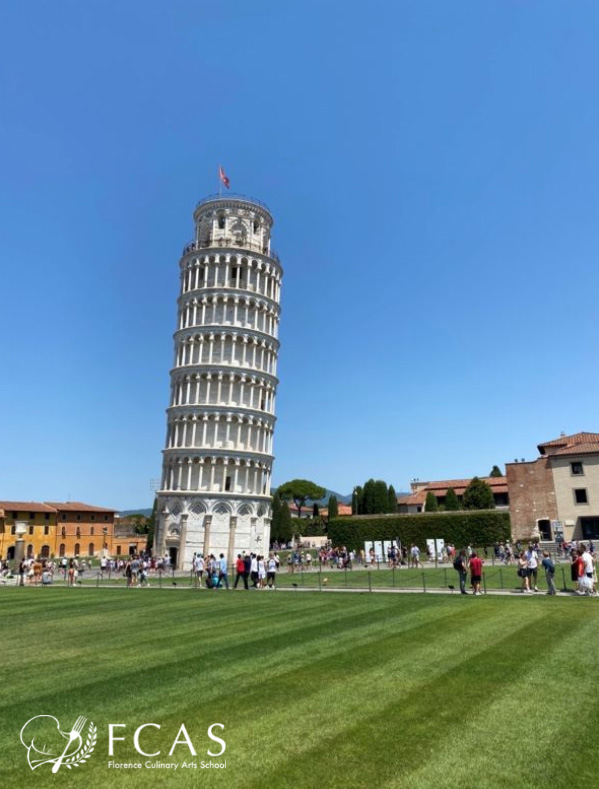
(215, 490)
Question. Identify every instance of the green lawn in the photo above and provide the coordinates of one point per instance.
(333, 690)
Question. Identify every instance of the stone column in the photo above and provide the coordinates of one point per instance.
(207, 524)
(231, 546)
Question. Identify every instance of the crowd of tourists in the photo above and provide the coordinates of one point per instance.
(213, 572)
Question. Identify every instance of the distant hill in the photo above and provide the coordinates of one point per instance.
(126, 513)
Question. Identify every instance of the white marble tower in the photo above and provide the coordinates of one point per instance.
(215, 489)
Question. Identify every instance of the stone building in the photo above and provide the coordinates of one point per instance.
(415, 501)
(557, 494)
(217, 461)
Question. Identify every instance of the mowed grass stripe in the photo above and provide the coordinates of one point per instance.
(316, 674)
(547, 722)
(399, 731)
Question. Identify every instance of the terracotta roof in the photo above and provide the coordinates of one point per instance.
(76, 506)
(26, 506)
(413, 498)
(578, 449)
(342, 509)
(564, 445)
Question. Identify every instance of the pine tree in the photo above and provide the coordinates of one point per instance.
(452, 502)
(478, 496)
(392, 499)
(333, 507)
(496, 472)
(431, 505)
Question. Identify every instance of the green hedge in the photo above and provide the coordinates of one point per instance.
(480, 527)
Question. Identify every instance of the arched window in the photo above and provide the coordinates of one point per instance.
(78, 532)
(30, 551)
(63, 532)
(221, 221)
(91, 550)
(61, 550)
(77, 549)
(45, 554)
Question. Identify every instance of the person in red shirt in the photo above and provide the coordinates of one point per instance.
(240, 572)
(476, 572)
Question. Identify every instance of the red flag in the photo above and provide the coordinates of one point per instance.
(222, 176)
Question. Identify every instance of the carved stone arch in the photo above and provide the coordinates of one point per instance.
(198, 508)
(245, 509)
(261, 511)
(222, 508)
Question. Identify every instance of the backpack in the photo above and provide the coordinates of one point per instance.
(458, 564)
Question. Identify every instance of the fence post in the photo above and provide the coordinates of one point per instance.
(423, 583)
(160, 578)
(393, 576)
(302, 574)
(369, 582)
(320, 578)
(485, 582)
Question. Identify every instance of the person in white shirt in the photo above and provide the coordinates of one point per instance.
(271, 572)
(586, 580)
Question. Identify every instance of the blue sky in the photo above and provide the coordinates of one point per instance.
(432, 168)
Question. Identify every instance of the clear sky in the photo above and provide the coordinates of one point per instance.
(432, 168)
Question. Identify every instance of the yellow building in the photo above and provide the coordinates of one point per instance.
(40, 522)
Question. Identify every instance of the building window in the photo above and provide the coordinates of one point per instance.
(15, 514)
(32, 516)
(77, 548)
(577, 468)
(78, 532)
(91, 531)
(62, 549)
(78, 516)
(118, 550)
(47, 516)
(221, 221)
(228, 483)
(63, 532)
(13, 529)
(106, 517)
(580, 496)
(63, 517)
(46, 530)
(91, 549)
(31, 530)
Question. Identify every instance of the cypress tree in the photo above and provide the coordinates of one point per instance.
(334, 507)
(452, 502)
(381, 497)
(431, 505)
(496, 472)
(392, 499)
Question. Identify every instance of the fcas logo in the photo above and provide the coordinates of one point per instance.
(46, 743)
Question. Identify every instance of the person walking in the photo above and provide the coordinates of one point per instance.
(239, 571)
(460, 563)
(476, 572)
(549, 568)
(533, 567)
(223, 576)
(523, 571)
(271, 573)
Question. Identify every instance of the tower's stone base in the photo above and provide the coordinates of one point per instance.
(189, 524)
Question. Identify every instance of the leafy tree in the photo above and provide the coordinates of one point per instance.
(478, 496)
(496, 472)
(392, 499)
(300, 491)
(333, 507)
(431, 505)
(451, 500)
